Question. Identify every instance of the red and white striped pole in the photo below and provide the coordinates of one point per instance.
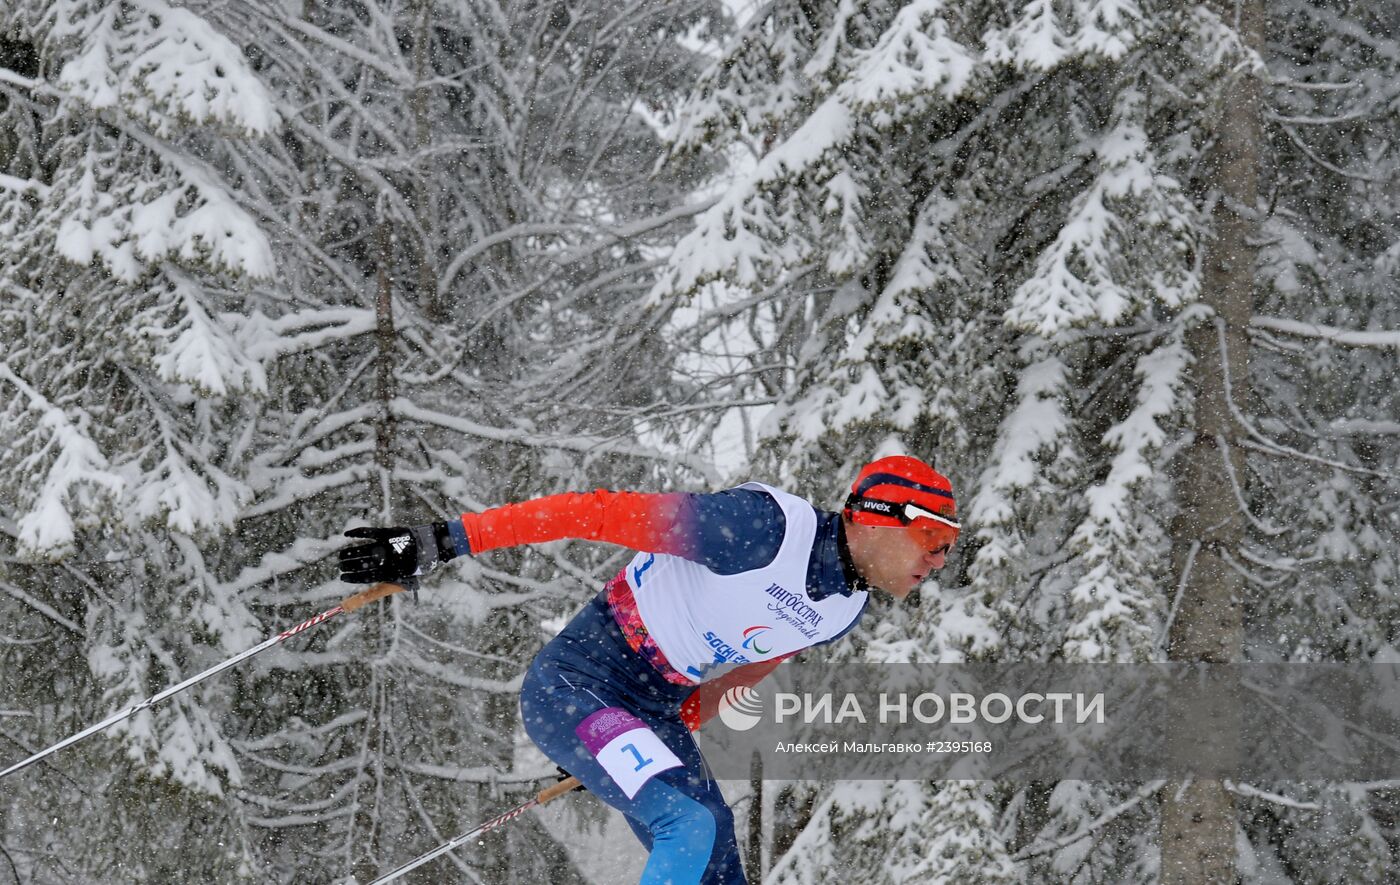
(350, 604)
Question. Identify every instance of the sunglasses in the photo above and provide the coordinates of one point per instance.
(906, 513)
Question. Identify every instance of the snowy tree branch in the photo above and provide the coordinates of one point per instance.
(43, 608)
(407, 409)
(1382, 340)
(1251, 792)
(1263, 443)
(1052, 845)
(24, 185)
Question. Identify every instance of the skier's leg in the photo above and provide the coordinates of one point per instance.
(658, 783)
(693, 781)
(724, 867)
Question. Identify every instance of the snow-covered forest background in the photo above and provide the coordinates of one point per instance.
(1126, 270)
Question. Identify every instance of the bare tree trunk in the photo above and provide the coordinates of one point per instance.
(428, 296)
(384, 365)
(792, 812)
(363, 851)
(753, 847)
(1198, 817)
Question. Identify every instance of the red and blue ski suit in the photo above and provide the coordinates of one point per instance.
(603, 700)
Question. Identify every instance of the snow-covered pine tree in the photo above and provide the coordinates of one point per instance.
(453, 319)
(125, 243)
(973, 231)
(538, 232)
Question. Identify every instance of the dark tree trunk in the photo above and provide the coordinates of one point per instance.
(1198, 817)
(427, 288)
(753, 849)
(384, 365)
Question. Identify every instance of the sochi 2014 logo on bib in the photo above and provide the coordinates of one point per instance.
(741, 708)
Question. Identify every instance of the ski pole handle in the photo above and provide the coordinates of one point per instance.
(554, 791)
(365, 597)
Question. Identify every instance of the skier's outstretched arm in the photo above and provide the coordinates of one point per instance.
(729, 531)
(654, 523)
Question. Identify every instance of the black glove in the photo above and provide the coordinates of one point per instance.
(396, 553)
(563, 776)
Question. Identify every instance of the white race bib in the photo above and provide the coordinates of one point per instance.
(629, 751)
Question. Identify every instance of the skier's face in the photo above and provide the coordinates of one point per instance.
(895, 559)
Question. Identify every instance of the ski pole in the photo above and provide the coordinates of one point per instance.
(350, 604)
(543, 796)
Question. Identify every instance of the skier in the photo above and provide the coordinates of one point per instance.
(747, 576)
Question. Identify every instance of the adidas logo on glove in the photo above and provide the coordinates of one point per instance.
(400, 544)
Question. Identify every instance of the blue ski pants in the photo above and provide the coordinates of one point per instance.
(599, 710)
